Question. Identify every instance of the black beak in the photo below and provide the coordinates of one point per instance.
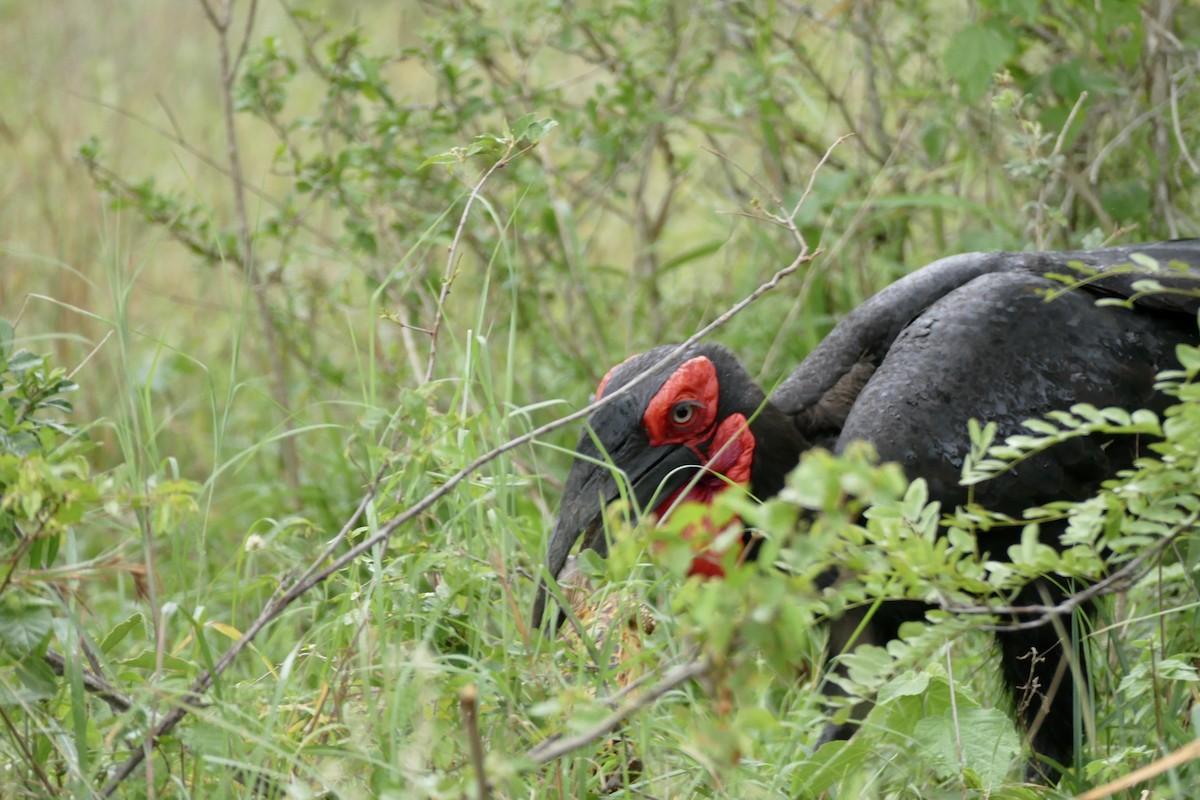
(647, 474)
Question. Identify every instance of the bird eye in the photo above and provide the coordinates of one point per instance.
(682, 413)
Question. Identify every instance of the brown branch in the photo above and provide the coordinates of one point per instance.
(1180, 141)
(33, 763)
(556, 747)
(1176, 758)
(453, 256)
(177, 138)
(350, 522)
(468, 701)
(211, 13)
(1039, 227)
(92, 682)
(119, 703)
(1120, 580)
(864, 29)
(838, 100)
(245, 45)
(274, 352)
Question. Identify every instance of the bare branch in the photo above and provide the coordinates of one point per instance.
(34, 763)
(271, 342)
(245, 45)
(556, 747)
(1039, 228)
(1176, 758)
(452, 257)
(94, 683)
(468, 701)
(1120, 580)
(211, 13)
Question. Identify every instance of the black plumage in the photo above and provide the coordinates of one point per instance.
(970, 336)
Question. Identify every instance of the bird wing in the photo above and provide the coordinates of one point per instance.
(973, 336)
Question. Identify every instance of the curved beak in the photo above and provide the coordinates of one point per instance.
(645, 474)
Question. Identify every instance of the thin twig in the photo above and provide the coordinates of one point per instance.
(275, 353)
(34, 763)
(245, 45)
(1093, 171)
(92, 682)
(1179, 139)
(211, 13)
(350, 522)
(25, 541)
(468, 701)
(453, 256)
(1118, 581)
(556, 747)
(1176, 758)
(808, 188)
(1048, 693)
(119, 703)
(71, 375)
(958, 746)
(1040, 215)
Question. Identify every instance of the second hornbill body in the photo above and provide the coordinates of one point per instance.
(968, 337)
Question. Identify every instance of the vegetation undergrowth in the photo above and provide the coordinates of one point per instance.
(272, 274)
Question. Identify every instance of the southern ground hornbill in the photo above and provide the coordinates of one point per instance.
(970, 336)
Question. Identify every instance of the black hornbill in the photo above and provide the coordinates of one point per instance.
(969, 336)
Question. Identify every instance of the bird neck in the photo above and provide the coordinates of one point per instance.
(779, 448)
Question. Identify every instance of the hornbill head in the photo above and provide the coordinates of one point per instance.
(695, 424)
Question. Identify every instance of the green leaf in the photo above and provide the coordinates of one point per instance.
(448, 157)
(35, 682)
(24, 626)
(120, 631)
(974, 55)
(830, 764)
(147, 660)
(1189, 358)
(979, 740)
(530, 128)
(6, 340)
(22, 361)
(1024, 10)
(906, 685)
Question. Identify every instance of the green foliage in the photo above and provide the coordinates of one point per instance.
(45, 489)
(44, 478)
(542, 190)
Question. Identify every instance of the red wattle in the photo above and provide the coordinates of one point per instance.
(707, 564)
(733, 452)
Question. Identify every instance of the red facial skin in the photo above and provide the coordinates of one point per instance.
(684, 412)
(607, 375)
